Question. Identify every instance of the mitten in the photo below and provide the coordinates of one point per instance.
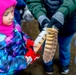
(31, 56)
(43, 20)
(57, 20)
(27, 15)
(29, 43)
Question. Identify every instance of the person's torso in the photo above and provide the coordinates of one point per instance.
(51, 7)
(14, 44)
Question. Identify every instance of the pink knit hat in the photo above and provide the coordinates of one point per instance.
(4, 4)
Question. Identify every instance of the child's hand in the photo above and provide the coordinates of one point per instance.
(30, 43)
(31, 56)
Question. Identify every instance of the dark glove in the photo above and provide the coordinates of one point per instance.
(31, 56)
(57, 20)
(45, 22)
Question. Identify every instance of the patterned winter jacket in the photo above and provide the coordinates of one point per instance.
(12, 50)
(49, 7)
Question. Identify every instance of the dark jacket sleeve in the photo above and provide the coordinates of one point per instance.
(20, 4)
(68, 7)
(37, 8)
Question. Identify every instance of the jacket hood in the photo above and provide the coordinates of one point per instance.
(4, 4)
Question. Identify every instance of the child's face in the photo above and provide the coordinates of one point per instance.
(8, 16)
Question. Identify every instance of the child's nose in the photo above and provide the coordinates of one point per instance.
(11, 16)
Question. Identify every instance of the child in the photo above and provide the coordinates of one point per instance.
(16, 51)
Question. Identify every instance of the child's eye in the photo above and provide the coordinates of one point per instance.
(5, 14)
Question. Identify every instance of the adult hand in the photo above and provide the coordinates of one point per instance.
(57, 20)
(43, 20)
